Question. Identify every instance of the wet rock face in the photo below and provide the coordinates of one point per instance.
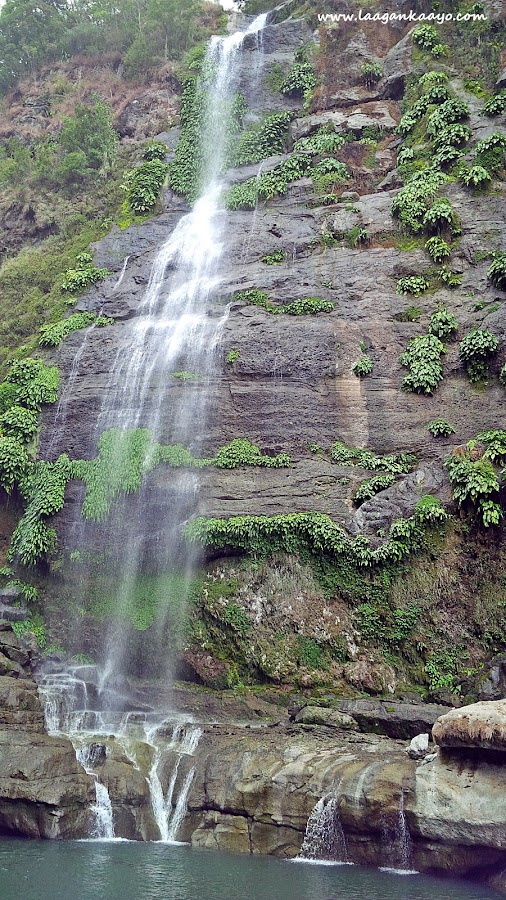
(44, 792)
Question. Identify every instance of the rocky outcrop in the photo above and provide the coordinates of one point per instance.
(480, 726)
(44, 792)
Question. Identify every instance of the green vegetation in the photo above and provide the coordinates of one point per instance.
(423, 359)
(232, 356)
(440, 428)
(155, 150)
(304, 307)
(143, 185)
(476, 177)
(268, 138)
(412, 284)
(373, 486)
(144, 36)
(241, 452)
(370, 73)
(427, 38)
(437, 249)
(443, 324)
(125, 457)
(475, 484)
(497, 271)
(275, 258)
(53, 335)
(262, 536)
(490, 152)
(393, 463)
(301, 78)
(495, 105)
(76, 280)
(363, 366)
(476, 349)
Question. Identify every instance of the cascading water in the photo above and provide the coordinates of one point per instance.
(324, 838)
(175, 327)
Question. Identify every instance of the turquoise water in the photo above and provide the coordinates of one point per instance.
(89, 870)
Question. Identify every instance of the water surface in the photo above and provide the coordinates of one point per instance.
(94, 870)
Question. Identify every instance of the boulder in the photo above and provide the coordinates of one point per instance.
(397, 720)
(501, 81)
(318, 715)
(480, 726)
(419, 746)
(397, 65)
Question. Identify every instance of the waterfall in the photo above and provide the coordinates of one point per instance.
(176, 331)
(324, 838)
(176, 327)
(102, 808)
(169, 815)
(397, 846)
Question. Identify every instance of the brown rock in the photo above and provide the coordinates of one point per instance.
(478, 726)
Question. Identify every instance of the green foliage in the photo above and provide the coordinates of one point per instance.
(474, 485)
(370, 73)
(393, 463)
(35, 383)
(496, 105)
(497, 271)
(34, 625)
(495, 442)
(19, 423)
(186, 376)
(431, 79)
(412, 284)
(78, 279)
(43, 490)
(155, 150)
(14, 463)
(269, 138)
(437, 249)
(363, 366)
(185, 171)
(301, 78)
(237, 618)
(53, 335)
(312, 532)
(306, 306)
(476, 349)
(429, 510)
(443, 324)
(441, 217)
(410, 314)
(411, 203)
(274, 258)
(143, 185)
(373, 486)
(451, 111)
(490, 152)
(475, 177)
(440, 428)
(423, 359)
(241, 452)
(441, 670)
(89, 138)
(232, 356)
(453, 135)
(322, 141)
(427, 38)
(271, 184)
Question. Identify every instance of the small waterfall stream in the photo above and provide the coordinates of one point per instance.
(324, 838)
